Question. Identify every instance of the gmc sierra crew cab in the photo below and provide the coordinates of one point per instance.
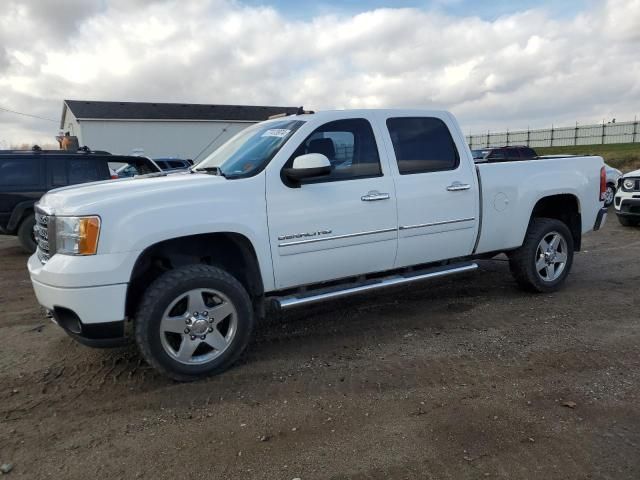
(296, 210)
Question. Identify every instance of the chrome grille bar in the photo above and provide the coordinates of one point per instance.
(43, 231)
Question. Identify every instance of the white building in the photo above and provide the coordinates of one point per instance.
(159, 130)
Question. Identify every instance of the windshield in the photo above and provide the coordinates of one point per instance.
(248, 152)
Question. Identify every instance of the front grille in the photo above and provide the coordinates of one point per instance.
(41, 231)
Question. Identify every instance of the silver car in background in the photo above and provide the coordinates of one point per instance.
(613, 174)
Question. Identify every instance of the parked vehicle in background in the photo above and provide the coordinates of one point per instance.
(627, 199)
(172, 165)
(25, 175)
(293, 211)
(504, 154)
(613, 175)
(135, 166)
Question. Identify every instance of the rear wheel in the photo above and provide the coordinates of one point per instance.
(545, 258)
(194, 321)
(26, 235)
(627, 222)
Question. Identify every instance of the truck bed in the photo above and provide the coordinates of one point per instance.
(510, 190)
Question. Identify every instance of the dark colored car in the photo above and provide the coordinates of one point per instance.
(170, 165)
(26, 175)
(504, 154)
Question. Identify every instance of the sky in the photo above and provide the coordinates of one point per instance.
(496, 64)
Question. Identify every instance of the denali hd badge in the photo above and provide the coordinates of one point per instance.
(304, 235)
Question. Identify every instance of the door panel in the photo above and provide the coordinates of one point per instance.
(436, 190)
(338, 226)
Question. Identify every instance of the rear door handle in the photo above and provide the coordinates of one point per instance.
(375, 196)
(457, 186)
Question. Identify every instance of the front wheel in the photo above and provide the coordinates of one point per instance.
(544, 260)
(25, 234)
(193, 322)
(627, 222)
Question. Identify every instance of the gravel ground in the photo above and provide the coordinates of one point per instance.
(462, 378)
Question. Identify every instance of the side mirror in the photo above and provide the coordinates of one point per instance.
(308, 166)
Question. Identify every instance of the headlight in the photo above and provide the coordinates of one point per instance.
(77, 235)
(628, 184)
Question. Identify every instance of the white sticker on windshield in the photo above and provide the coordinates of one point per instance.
(276, 132)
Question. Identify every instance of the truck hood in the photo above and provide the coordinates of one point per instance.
(635, 173)
(91, 198)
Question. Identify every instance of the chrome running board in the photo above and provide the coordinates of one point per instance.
(320, 295)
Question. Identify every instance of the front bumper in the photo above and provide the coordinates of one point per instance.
(628, 207)
(94, 316)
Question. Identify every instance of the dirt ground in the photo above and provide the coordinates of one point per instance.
(462, 378)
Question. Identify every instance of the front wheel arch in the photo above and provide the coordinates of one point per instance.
(232, 252)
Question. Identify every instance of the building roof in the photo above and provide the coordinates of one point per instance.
(84, 110)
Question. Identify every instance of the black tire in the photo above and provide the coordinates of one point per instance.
(610, 187)
(627, 222)
(159, 296)
(522, 261)
(25, 234)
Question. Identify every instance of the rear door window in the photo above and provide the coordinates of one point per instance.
(20, 172)
(57, 171)
(422, 144)
(82, 170)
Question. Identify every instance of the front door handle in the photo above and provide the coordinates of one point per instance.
(457, 187)
(375, 196)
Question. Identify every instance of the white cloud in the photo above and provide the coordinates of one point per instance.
(518, 70)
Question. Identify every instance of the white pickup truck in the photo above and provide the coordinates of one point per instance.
(296, 210)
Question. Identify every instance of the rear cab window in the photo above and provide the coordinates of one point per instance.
(422, 145)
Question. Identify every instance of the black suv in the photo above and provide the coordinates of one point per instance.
(504, 154)
(26, 175)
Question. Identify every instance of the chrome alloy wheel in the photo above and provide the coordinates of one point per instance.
(551, 256)
(198, 326)
(609, 195)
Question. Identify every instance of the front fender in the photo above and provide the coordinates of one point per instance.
(237, 207)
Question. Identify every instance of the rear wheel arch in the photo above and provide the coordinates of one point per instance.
(230, 251)
(564, 207)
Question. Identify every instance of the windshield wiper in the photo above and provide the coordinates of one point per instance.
(214, 170)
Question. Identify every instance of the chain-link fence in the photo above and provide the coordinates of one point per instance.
(622, 132)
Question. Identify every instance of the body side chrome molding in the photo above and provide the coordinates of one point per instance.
(336, 237)
(284, 303)
(435, 224)
(371, 232)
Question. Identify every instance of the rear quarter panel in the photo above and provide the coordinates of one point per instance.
(510, 191)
